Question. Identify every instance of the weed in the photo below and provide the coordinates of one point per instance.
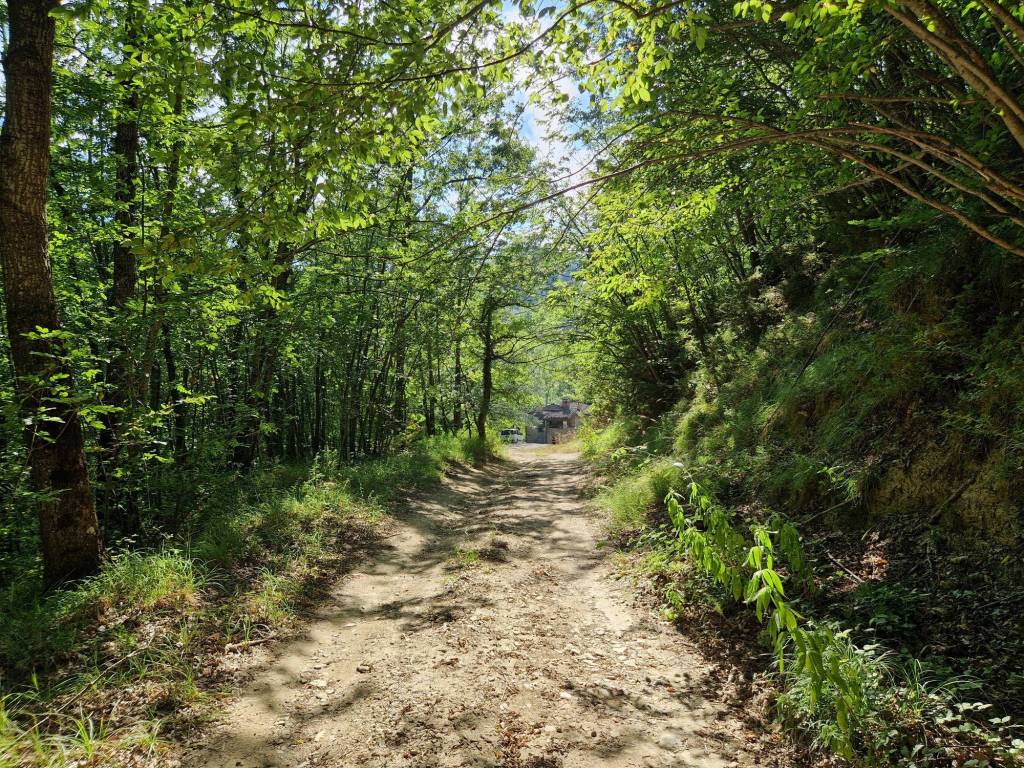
(475, 451)
(464, 557)
(631, 501)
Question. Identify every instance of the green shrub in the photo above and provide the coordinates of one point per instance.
(599, 443)
(632, 501)
(415, 467)
(695, 422)
(899, 716)
(475, 451)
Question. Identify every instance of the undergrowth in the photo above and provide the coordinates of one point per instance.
(477, 450)
(837, 688)
(98, 674)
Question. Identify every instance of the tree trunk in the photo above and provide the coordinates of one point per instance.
(429, 393)
(126, 155)
(123, 376)
(487, 365)
(179, 407)
(292, 416)
(267, 345)
(68, 527)
(699, 330)
(400, 401)
(318, 405)
(457, 405)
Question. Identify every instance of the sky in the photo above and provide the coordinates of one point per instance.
(546, 129)
(544, 126)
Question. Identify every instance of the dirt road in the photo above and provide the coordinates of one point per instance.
(488, 632)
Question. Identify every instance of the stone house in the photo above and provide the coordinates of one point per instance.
(555, 422)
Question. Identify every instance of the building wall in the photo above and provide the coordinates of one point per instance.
(554, 434)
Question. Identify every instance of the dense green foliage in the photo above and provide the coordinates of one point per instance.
(286, 260)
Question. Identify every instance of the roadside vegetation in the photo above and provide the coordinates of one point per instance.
(105, 672)
(856, 667)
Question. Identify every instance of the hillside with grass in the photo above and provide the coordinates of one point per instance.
(852, 423)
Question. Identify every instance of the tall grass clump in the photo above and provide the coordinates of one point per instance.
(39, 629)
(635, 501)
(474, 450)
(418, 466)
(600, 443)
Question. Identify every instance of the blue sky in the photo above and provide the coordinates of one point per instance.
(544, 125)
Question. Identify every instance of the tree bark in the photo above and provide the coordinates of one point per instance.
(124, 378)
(179, 423)
(430, 393)
(487, 365)
(319, 397)
(936, 30)
(457, 404)
(68, 527)
(264, 360)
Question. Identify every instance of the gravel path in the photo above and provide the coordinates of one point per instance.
(488, 632)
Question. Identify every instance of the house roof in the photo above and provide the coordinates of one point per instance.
(558, 411)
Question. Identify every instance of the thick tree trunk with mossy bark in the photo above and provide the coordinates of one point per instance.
(68, 528)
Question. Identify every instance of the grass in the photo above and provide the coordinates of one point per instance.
(464, 557)
(904, 711)
(473, 450)
(554, 449)
(633, 500)
(900, 711)
(597, 442)
(492, 550)
(98, 674)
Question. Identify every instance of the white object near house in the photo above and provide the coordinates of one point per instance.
(511, 436)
